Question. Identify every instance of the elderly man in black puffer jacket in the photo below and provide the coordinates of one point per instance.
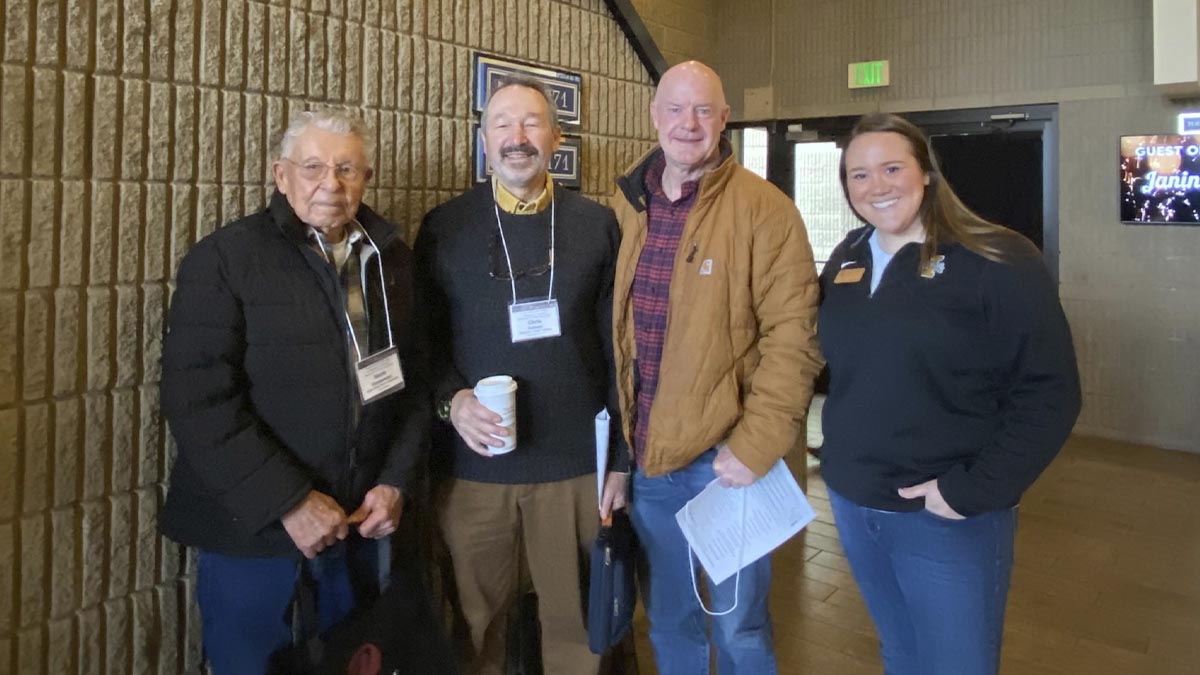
(294, 385)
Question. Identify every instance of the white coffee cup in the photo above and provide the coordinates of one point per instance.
(499, 394)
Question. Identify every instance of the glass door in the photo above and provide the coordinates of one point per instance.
(818, 194)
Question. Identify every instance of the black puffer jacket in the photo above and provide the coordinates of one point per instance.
(258, 387)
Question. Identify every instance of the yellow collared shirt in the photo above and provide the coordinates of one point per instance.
(510, 203)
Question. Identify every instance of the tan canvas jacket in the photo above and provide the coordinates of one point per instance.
(740, 353)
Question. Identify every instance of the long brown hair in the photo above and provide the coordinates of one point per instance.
(945, 218)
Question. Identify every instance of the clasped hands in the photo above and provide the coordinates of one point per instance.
(318, 522)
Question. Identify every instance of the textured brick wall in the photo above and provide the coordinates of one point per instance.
(682, 29)
(131, 128)
(1132, 293)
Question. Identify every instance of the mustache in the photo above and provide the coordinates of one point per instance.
(526, 148)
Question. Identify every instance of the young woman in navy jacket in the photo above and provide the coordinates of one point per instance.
(953, 384)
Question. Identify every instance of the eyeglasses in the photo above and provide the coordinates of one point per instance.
(499, 267)
(502, 273)
(314, 171)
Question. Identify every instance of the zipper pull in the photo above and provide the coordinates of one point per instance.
(692, 254)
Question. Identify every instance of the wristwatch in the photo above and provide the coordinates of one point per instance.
(443, 406)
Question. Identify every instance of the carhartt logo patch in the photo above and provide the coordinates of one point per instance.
(706, 267)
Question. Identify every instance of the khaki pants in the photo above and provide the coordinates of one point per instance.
(484, 526)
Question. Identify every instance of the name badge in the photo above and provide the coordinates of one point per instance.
(379, 375)
(534, 320)
(850, 275)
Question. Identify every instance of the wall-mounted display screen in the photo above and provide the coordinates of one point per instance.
(1160, 179)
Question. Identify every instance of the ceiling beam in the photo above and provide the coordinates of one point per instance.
(639, 37)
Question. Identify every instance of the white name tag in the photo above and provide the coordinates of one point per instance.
(534, 320)
(379, 375)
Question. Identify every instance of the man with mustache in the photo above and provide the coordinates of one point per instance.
(715, 317)
(516, 245)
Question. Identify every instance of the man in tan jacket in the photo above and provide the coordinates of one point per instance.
(715, 305)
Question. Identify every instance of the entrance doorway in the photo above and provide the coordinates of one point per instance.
(998, 176)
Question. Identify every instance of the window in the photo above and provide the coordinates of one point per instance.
(751, 147)
(818, 194)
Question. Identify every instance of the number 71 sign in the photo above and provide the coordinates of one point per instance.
(564, 86)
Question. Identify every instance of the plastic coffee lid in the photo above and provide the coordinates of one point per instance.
(496, 383)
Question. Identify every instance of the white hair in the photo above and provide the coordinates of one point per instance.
(333, 121)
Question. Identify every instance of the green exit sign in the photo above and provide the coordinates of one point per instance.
(869, 74)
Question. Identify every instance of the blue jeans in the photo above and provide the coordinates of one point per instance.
(244, 602)
(936, 588)
(678, 626)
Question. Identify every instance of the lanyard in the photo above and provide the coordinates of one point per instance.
(387, 313)
(512, 278)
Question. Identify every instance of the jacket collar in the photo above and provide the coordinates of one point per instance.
(633, 183)
(379, 230)
(862, 237)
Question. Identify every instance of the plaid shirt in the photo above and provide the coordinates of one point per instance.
(358, 340)
(665, 220)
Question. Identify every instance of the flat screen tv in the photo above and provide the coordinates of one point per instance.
(1160, 179)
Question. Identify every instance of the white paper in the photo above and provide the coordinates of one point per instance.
(602, 425)
(712, 522)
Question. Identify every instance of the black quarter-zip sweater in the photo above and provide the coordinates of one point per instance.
(968, 377)
(562, 382)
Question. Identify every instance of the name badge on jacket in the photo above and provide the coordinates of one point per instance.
(379, 375)
(849, 275)
(534, 320)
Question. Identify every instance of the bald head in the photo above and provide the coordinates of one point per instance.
(695, 74)
(689, 114)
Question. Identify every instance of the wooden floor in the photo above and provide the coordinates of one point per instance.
(1107, 576)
